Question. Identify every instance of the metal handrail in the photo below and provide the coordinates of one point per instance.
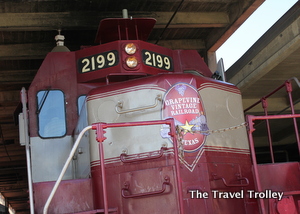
(251, 118)
(251, 129)
(273, 92)
(238, 177)
(288, 85)
(45, 210)
(162, 190)
(27, 149)
(120, 106)
(160, 154)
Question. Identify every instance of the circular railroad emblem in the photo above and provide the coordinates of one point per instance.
(182, 102)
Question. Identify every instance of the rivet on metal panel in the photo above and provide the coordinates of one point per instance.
(126, 184)
(159, 97)
(120, 104)
(164, 144)
(125, 151)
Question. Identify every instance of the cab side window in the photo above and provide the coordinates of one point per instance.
(80, 102)
(51, 113)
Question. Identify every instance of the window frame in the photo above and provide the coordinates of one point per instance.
(39, 111)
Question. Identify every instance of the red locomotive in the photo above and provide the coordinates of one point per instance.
(131, 127)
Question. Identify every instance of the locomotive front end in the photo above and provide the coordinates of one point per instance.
(141, 168)
(166, 133)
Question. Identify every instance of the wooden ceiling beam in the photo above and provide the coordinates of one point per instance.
(40, 50)
(90, 20)
(25, 51)
(11, 148)
(10, 130)
(4, 111)
(9, 96)
(10, 164)
(17, 76)
(13, 157)
(185, 44)
(192, 19)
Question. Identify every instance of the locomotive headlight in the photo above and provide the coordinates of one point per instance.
(131, 62)
(130, 48)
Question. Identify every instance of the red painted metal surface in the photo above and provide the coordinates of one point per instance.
(289, 91)
(58, 71)
(231, 167)
(181, 60)
(111, 211)
(151, 193)
(287, 206)
(237, 185)
(265, 106)
(100, 138)
(287, 176)
(160, 80)
(124, 29)
(72, 196)
(153, 174)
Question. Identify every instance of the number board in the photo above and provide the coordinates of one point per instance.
(157, 60)
(98, 61)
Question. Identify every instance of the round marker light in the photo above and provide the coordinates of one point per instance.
(131, 62)
(130, 48)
